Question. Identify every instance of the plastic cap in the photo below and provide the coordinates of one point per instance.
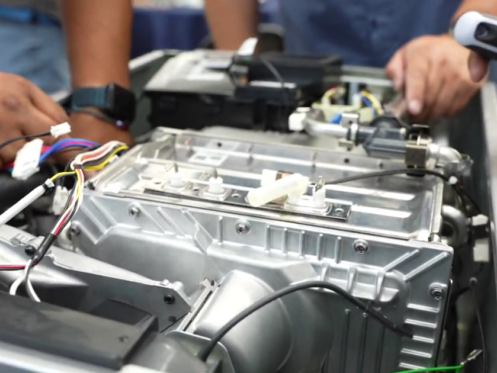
(216, 185)
(60, 129)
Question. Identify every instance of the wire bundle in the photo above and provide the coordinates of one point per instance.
(91, 160)
(59, 146)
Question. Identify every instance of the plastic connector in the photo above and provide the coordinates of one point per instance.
(319, 197)
(293, 186)
(215, 185)
(60, 129)
(27, 160)
(60, 199)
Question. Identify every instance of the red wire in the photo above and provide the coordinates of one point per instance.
(11, 266)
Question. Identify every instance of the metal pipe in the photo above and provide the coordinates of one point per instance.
(457, 223)
(443, 155)
(316, 128)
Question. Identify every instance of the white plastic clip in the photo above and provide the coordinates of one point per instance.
(292, 186)
(60, 129)
(60, 199)
(27, 160)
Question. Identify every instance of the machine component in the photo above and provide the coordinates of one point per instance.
(385, 137)
(377, 240)
(205, 88)
(478, 32)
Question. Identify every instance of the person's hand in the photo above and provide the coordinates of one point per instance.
(478, 67)
(433, 73)
(24, 110)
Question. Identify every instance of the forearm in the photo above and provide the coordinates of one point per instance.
(482, 6)
(98, 34)
(231, 22)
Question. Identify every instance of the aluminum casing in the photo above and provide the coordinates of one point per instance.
(378, 240)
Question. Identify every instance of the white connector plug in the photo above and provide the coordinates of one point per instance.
(293, 186)
(27, 160)
(60, 199)
(60, 129)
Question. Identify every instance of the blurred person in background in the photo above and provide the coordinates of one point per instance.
(409, 38)
(33, 62)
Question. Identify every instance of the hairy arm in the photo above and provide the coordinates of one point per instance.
(231, 22)
(98, 37)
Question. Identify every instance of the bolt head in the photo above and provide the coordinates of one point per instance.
(169, 299)
(361, 247)
(437, 293)
(134, 211)
(242, 227)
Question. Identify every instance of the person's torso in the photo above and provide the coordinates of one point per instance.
(363, 32)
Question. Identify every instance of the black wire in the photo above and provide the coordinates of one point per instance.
(207, 349)
(272, 69)
(473, 282)
(410, 171)
(24, 137)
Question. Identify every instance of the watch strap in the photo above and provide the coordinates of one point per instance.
(90, 96)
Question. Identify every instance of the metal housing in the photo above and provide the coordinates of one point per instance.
(378, 239)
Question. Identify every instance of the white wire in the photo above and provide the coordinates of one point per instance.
(29, 287)
(20, 279)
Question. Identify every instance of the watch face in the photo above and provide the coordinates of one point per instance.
(121, 103)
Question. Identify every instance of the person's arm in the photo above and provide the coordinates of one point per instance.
(231, 22)
(98, 37)
(481, 6)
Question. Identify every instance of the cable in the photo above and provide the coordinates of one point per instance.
(207, 349)
(279, 78)
(118, 123)
(374, 102)
(473, 282)
(410, 171)
(455, 368)
(24, 137)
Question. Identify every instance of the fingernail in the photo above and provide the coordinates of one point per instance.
(414, 107)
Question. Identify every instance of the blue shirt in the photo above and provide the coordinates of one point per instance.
(363, 32)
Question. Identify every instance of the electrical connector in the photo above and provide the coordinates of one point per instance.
(60, 129)
(215, 185)
(60, 199)
(27, 160)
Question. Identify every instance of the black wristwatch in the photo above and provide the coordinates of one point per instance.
(115, 102)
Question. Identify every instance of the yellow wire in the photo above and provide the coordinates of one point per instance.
(373, 101)
(61, 174)
(106, 160)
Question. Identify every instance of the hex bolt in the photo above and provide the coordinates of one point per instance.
(242, 227)
(134, 211)
(169, 299)
(437, 292)
(361, 246)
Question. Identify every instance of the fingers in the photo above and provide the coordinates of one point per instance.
(46, 105)
(395, 69)
(36, 122)
(416, 79)
(478, 67)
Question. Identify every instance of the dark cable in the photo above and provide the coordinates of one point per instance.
(473, 282)
(410, 171)
(207, 349)
(272, 69)
(101, 116)
(24, 137)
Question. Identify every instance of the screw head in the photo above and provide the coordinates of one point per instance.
(361, 246)
(437, 292)
(134, 211)
(169, 299)
(30, 250)
(242, 227)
